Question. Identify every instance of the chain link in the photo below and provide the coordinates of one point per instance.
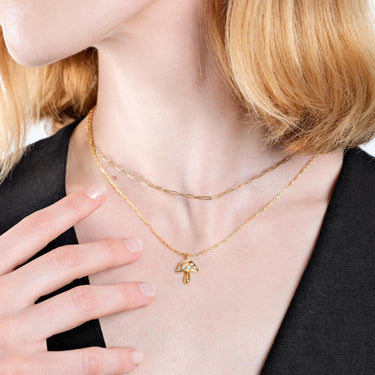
(157, 235)
(136, 178)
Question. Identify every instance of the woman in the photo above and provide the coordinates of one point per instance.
(194, 97)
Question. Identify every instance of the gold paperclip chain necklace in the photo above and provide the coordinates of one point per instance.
(136, 178)
(186, 266)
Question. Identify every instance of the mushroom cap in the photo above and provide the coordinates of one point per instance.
(187, 265)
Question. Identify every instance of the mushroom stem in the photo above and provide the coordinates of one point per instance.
(187, 277)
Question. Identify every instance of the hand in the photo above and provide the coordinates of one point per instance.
(25, 326)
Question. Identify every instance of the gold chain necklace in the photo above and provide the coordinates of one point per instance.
(136, 178)
(186, 265)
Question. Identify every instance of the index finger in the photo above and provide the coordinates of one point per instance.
(35, 231)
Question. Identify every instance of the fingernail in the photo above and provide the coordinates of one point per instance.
(133, 244)
(147, 289)
(137, 356)
(96, 191)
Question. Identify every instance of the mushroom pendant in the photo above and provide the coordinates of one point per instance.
(187, 266)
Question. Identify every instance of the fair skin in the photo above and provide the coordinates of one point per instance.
(165, 113)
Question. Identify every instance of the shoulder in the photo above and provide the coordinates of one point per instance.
(357, 180)
(348, 235)
(37, 180)
(360, 162)
(353, 198)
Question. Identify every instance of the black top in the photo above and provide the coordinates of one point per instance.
(329, 327)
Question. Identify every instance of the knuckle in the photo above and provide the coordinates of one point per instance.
(23, 367)
(36, 224)
(77, 206)
(131, 294)
(84, 298)
(13, 334)
(90, 362)
(20, 368)
(68, 256)
(9, 368)
(112, 246)
(7, 327)
(7, 289)
(117, 251)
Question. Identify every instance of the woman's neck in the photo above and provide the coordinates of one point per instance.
(165, 113)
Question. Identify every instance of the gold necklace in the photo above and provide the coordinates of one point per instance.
(136, 178)
(186, 265)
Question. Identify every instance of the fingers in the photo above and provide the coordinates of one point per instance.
(35, 231)
(24, 329)
(87, 361)
(81, 304)
(92, 361)
(61, 266)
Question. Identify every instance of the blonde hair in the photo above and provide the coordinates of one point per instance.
(305, 68)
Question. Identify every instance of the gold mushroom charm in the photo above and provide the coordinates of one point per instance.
(187, 266)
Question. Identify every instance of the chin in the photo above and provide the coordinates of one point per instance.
(31, 54)
(31, 60)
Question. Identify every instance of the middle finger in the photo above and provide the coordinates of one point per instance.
(65, 264)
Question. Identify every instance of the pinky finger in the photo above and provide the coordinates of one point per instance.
(89, 361)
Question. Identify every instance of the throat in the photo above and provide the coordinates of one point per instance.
(189, 164)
